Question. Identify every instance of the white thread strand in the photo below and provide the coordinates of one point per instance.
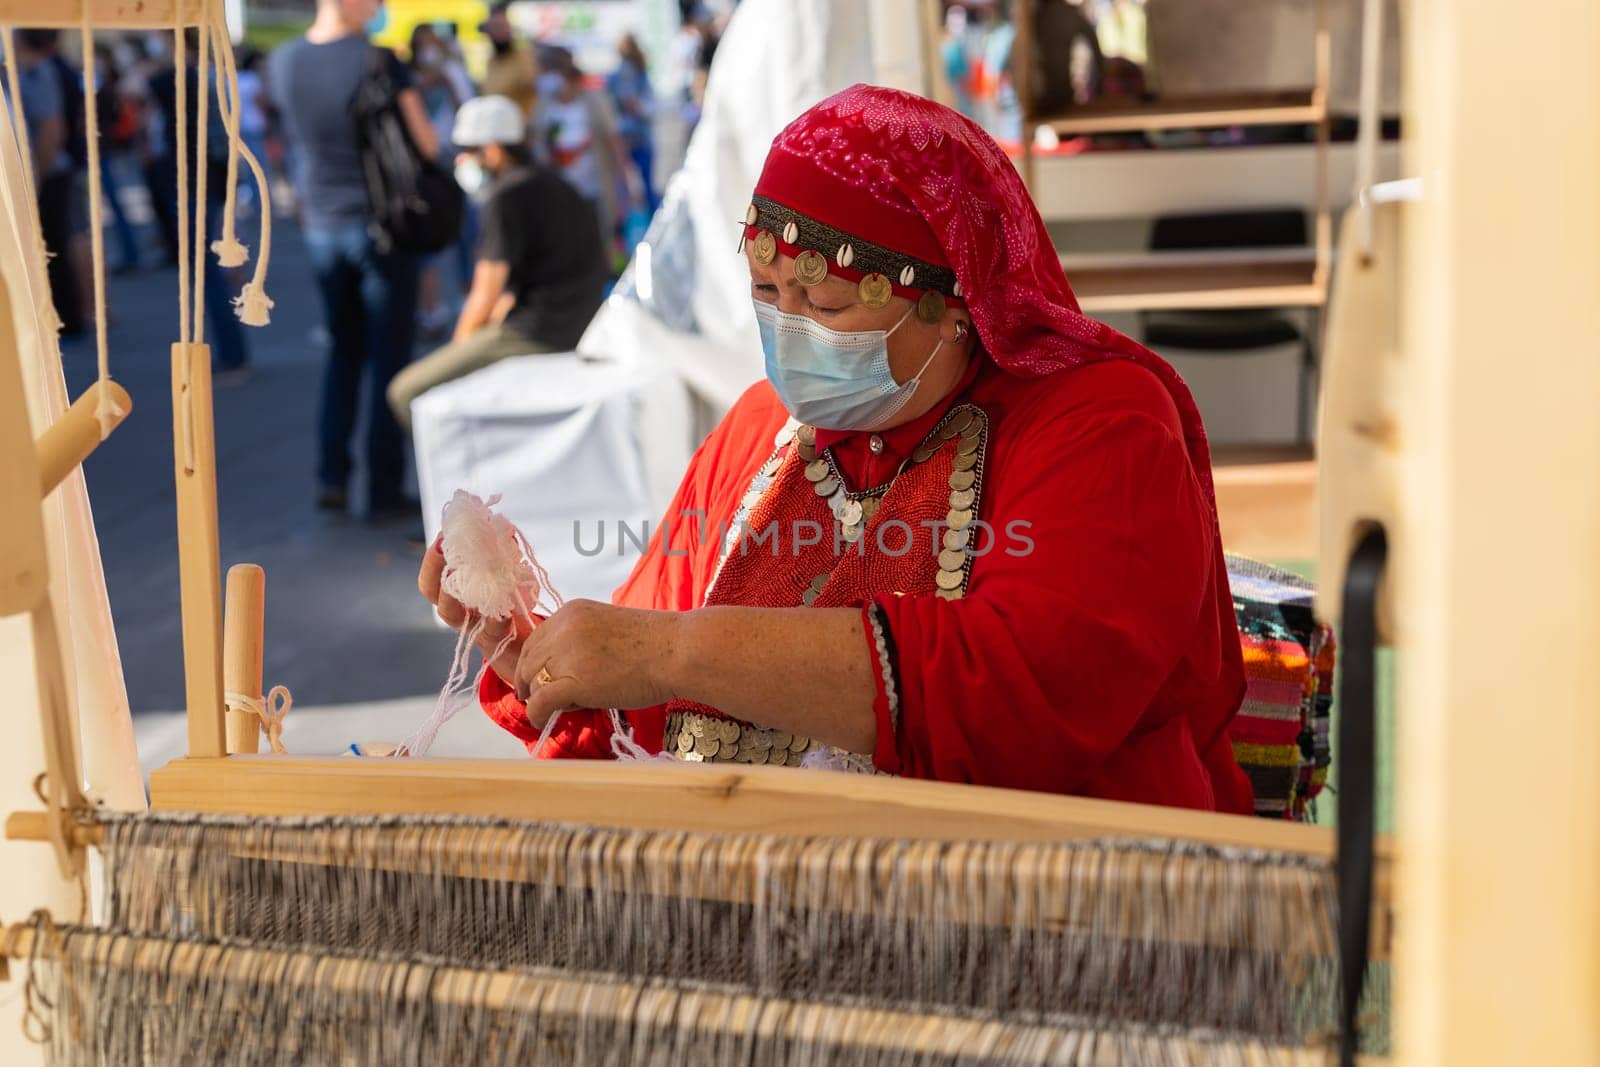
(202, 164)
(252, 306)
(271, 710)
(180, 62)
(106, 409)
(230, 251)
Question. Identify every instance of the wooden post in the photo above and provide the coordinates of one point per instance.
(1498, 802)
(1022, 65)
(199, 555)
(241, 650)
(1320, 94)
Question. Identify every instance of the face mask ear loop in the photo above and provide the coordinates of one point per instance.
(917, 377)
(901, 321)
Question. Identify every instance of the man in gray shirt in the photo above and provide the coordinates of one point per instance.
(369, 296)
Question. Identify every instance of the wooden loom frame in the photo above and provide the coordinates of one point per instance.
(706, 798)
(221, 778)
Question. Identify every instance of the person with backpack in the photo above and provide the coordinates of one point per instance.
(369, 187)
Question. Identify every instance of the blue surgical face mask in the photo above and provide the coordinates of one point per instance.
(831, 379)
(550, 84)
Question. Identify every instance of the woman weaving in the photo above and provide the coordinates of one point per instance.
(962, 531)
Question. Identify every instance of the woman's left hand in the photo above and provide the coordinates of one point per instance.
(594, 655)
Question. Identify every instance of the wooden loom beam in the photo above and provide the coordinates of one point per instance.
(715, 1012)
(706, 799)
(71, 438)
(103, 14)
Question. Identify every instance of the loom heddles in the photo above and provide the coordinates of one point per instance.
(421, 940)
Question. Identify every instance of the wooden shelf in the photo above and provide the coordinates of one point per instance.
(1225, 278)
(1267, 500)
(1278, 108)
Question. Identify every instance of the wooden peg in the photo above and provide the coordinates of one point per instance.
(243, 611)
(69, 441)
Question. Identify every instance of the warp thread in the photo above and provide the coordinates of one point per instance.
(271, 710)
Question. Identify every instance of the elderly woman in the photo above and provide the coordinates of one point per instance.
(961, 531)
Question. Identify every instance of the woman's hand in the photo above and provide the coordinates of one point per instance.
(593, 655)
(456, 615)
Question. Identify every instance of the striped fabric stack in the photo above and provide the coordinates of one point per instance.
(1281, 735)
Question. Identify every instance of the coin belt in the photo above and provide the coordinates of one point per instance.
(696, 738)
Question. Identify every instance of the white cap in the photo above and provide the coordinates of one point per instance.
(489, 120)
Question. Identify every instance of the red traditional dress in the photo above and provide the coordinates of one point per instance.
(1036, 559)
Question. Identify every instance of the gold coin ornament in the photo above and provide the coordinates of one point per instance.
(810, 268)
(765, 247)
(930, 307)
(875, 291)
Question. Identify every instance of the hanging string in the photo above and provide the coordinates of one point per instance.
(202, 128)
(106, 409)
(19, 123)
(181, 87)
(271, 710)
(180, 61)
(253, 306)
(230, 251)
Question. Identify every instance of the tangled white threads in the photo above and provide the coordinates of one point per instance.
(491, 570)
(271, 710)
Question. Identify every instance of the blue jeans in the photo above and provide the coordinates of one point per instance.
(110, 186)
(229, 348)
(370, 303)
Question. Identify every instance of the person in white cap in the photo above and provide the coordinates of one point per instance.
(539, 276)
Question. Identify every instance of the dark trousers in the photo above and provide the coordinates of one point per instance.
(55, 226)
(229, 348)
(370, 303)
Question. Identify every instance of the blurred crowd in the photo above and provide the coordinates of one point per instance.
(524, 264)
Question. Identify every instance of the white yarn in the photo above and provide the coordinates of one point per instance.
(489, 566)
(490, 569)
(271, 711)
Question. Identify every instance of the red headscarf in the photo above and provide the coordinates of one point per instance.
(910, 175)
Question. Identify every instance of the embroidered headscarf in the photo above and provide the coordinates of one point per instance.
(898, 193)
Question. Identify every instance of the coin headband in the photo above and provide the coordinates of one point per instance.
(843, 255)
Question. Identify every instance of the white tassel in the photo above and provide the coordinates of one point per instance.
(231, 252)
(253, 305)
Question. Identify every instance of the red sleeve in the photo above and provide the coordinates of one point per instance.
(1054, 657)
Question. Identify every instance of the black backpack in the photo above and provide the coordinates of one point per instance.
(416, 204)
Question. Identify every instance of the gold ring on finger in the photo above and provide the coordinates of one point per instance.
(544, 677)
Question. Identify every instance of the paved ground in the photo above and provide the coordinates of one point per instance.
(345, 629)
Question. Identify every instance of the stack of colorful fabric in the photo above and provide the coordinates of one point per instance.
(1280, 735)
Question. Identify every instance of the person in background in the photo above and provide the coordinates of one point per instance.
(576, 131)
(429, 75)
(539, 277)
(50, 126)
(146, 66)
(512, 71)
(369, 297)
(230, 351)
(253, 121)
(629, 86)
(119, 130)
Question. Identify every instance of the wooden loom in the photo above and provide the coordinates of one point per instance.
(223, 774)
(1543, 989)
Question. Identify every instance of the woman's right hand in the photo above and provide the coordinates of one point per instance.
(456, 615)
